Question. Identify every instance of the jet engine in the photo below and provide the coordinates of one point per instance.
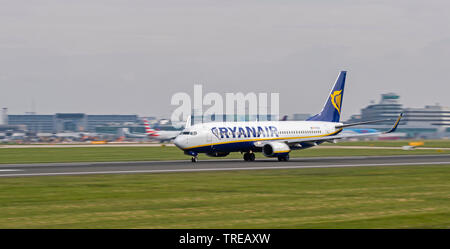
(275, 149)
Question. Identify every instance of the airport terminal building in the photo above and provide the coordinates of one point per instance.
(431, 121)
(68, 122)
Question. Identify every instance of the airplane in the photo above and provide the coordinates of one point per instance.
(4, 138)
(126, 132)
(10, 136)
(151, 133)
(273, 138)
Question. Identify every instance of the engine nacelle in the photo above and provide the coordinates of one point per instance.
(218, 154)
(275, 149)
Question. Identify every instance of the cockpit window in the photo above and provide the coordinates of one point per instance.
(191, 133)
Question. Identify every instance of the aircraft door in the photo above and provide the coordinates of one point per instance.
(209, 139)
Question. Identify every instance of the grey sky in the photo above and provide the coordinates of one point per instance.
(128, 56)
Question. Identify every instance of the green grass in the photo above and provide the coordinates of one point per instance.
(108, 154)
(369, 197)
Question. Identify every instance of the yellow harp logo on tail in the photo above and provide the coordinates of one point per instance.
(336, 98)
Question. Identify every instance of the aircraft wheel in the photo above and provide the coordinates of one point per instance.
(194, 159)
(252, 157)
(283, 158)
(246, 156)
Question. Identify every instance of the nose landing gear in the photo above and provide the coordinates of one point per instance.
(194, 155)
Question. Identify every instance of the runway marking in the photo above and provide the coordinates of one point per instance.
(225, 169)
(5, 170)
(71, 164)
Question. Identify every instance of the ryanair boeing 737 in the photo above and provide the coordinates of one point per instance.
(272, 138)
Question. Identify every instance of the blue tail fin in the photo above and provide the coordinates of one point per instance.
(331, 112)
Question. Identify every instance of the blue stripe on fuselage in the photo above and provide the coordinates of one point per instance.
(237, 147)
(226, 147)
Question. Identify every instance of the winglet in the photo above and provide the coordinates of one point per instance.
(396, 123)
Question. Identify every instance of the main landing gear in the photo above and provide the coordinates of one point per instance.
(249, 156)
(283, 158)
(194, 159)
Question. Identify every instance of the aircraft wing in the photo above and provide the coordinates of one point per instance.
(332, 137)
(360, 123)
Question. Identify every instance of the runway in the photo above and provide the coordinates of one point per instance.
(87, 168)
(23, 146)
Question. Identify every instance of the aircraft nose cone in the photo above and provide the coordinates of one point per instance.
(178, 142)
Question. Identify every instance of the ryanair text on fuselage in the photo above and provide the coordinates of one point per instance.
(245, 132)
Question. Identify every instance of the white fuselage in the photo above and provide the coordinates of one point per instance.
(242, 136)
